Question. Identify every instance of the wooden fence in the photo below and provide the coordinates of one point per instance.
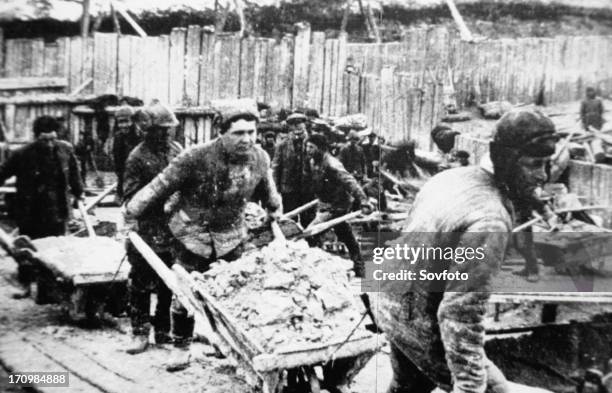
(400, 86)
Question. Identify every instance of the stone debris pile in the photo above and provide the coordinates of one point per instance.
(286, 295)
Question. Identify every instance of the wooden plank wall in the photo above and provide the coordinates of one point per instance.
(397, 85)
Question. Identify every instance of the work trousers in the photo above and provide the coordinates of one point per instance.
(345, 234)
(142, 282)
(182, 324)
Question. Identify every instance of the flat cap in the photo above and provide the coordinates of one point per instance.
(296, 118)
(229, 109)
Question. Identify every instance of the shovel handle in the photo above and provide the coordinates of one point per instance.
(322, 227)
(300, 209)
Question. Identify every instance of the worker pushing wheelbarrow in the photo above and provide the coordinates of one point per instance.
(213, 182)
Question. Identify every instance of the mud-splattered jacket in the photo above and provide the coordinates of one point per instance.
(439, 325)
(333, 185)
(213, 191)
(142, 165)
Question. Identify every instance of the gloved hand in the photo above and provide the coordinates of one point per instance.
(127, 222)
(275, 215)
(366, 208)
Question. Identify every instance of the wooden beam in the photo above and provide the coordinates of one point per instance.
(465, 33)
(24, 83)
(85, 19)
(130, 20)
(81, 87)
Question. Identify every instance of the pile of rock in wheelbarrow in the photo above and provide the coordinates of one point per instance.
(285, 295)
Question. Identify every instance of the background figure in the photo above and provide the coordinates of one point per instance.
(47, 172)
(146, 161)
(84, 151)
(126, 136)
(591, 110)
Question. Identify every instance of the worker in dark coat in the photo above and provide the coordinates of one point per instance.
(372, 152)
(337, 190)
(125, 138)
(269, 143)
(47, 174)
(214, 182)
(147, 160)
(352, 156)
(436, 327)
(591, 110)
(289, 164)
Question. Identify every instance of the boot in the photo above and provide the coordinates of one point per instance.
(23, 293)
(139, 344)
(162, 338)
(180, 360)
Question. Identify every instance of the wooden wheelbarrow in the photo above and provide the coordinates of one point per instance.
(307, 368)
(83, 274)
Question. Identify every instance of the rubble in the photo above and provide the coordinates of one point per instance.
(285, 295)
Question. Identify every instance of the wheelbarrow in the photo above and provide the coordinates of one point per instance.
(83, 274)
(306, 368)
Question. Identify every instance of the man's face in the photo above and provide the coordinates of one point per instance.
(312, 150)
(47, 139)
(590, 93)
(124, 122)
(298, 130)
(529, 175)
(269, 140)
(240, 137)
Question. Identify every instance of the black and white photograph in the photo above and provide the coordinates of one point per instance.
(306, 196)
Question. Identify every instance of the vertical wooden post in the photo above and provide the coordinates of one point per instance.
(85, 19)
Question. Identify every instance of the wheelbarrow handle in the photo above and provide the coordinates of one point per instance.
(300, 209)
(90, 229)
(322, 227)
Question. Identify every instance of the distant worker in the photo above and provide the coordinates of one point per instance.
(352, 156)
(337, 190)
(372, 152)
(126, 137)
(288, 165)
(591, 110)
(147, 160)
(47, 173)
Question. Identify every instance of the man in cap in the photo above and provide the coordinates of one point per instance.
(47, 173)
(126, 137)
(147, 160)
(591, 110)
(436, 328)
(215, 181)
(337, 190)
(352, 156)
(289, 163)
(269, 143)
